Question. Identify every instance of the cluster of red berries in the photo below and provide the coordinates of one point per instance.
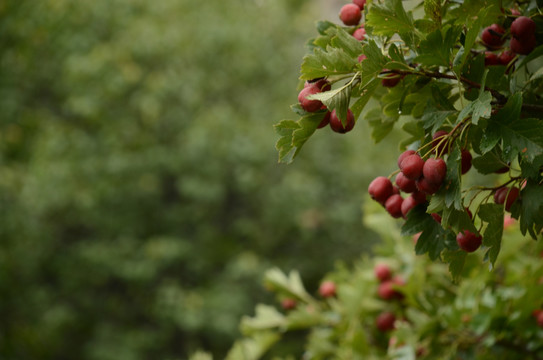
(387, 290)
(522, 41)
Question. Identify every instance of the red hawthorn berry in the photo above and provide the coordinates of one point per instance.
(362, 58)
(359, 34)
(523, 28)
(337, 125)
(468, 241)
(390, 80)
(466, 161)
(434, 171)
(405, 154)
(395, 190)
(305, 103)
(325, 120)
(491, 59)
(506, 57)
(419, 196)
(426, 187)
(540, 320)
(382, 272)
(394, 206)
(492, 36)
(327, 289)
(409, 203)
(360, 3)
(387, 290)
(405, 184)
(385, 321)
(350, 14)
(500, 194)
(439, 142)
(515, 12)
(523, 47)
(436, 217)
(511, 198)
(380, 189)
(411, 166)
(288, 303)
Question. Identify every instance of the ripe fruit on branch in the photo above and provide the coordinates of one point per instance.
(385, 321)
(523, 28)
(491, 59)
(507, 196)
(523, 47)
(288, 303)
(359, 34)
(391, 80)
(411, 166)
(405, 184)
(506, 57)
(436, 217)
(466, 161)
(362, 58)
(394, 205)
(337, 125)
(409, 203)
(540, 319)
(405, 154)
(426, 187)
(307, 104)
(434, 171)
(325, 120)
(320, 83)
(360, 3)
(387, 290)
(468, 241)
(382, 272)
(380, 189)
(350, 14)
(492, 36)
(327, 289)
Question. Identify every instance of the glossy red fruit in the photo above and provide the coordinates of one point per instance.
(337, 126)
(350, 14)
(288, 303)
(382, 272)
(468, 241)
(427, 187)
(327, 289)
(515, 12)
(512, 196)
(394, 205)
(506, 57)
(390, 80)
(387, 290)
(325, 120)
(492, 36)
(405, 154)
(405, 184)
(436, 217)
(380, 189)
(466, 161)
(523, 28)
(411, 166)
(524, 46)
(540, 319)
(434, 171)
(439, 142)
(362, 58)
(359, 34)
(307, 104)
(500, 194)
(419, 196)
(360, 3)
(491, 59)
(385, 321)
(408, 204)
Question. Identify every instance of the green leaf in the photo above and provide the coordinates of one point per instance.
(520, 136)
(346, 41)
(284, 145)
(389, 19)
(436, 49)
(432, 238)
(329, 62)
(452, 183)
(492, 237)
(253, 348)
(375, 62)
(415, 130)
(291, 284)
(432, 9)
(531, 211)
(364, 93)
(337, 99)
(380, 123)
(488, 163)
(456, 260)
(266, 317)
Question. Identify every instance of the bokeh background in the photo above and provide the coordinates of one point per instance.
(141, 199)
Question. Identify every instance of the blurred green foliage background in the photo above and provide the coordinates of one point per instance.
(140, 195)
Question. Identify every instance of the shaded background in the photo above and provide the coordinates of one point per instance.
(140, 195)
